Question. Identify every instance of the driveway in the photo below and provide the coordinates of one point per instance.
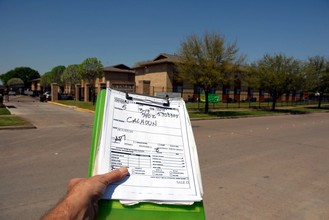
(36, 164)
(252, 168)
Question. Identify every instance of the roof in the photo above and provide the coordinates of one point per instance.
(164, 57)
(161, 58)
(119, 68)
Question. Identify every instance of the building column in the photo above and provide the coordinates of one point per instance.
(77, 92)
(86, 95)
(54, 92)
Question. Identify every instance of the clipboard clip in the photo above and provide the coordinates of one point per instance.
(128, 97)
(167, 104)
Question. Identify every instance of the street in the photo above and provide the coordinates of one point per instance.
(273, 167)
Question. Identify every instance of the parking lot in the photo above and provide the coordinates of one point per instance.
(252, 168)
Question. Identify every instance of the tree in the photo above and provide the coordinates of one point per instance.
(207, 61)
(71, 75)
(46, 80)
(276, 75)
(24, 73)
(91, 69)
(56, 75)
(317, 71)
(14, 82)
(53, 76)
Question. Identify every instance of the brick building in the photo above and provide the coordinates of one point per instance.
(119, 77)
(160, 76)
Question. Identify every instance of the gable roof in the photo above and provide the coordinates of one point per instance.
(164, 57)
(119, 68)
(161, 58)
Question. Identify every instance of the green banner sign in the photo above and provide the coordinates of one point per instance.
(212, 98)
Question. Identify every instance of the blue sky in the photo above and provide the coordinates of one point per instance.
(42, 34)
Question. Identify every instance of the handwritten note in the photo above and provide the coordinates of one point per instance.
(155, 142)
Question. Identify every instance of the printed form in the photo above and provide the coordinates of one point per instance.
(155, 141)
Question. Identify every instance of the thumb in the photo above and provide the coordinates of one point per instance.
(113, 176)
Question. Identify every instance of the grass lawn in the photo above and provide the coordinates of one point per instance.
(220, 111)
(4, 110)
(245, 105)
(257, 112)
(13, 121)
(229, 113)
(7, 120)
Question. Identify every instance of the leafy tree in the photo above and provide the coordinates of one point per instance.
(207, 61)
(71, 75)
(56, 75)
(276, 74)
(46, 80)
(317, 71)
(24, 73)
(53, 76)
(91, 69)
(15, 82)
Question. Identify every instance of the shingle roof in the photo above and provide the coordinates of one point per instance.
(161, 58)
(120, 68)
(167, 58)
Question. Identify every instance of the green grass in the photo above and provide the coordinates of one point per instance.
(257, 112)
(229, 113)
(312, 109)
(220, 110)
(13, 121)
(80, 104)
(237, 105)
(4, 110)
(7, 120)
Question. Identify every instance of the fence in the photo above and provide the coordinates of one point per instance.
(256, 103)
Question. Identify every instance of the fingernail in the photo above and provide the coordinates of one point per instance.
(123, 170)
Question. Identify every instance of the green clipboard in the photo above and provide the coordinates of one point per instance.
(114, 210)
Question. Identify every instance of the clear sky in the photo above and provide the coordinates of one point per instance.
(42, 34)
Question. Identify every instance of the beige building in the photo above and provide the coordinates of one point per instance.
(119, 77)
(158, 76)
(36, 86)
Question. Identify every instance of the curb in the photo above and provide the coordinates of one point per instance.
(70, 106)
(17, 127)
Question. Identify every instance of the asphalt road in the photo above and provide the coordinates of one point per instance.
(252, 168)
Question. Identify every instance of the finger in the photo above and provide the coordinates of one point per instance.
(113, 176)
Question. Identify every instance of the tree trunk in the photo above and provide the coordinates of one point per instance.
(320, 99)
(92, 90)
(274, 102)
(206, 109)
(93, 94)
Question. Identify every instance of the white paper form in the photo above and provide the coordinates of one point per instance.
(155, 142)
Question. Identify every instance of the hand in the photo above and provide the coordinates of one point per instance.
(81, 201)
